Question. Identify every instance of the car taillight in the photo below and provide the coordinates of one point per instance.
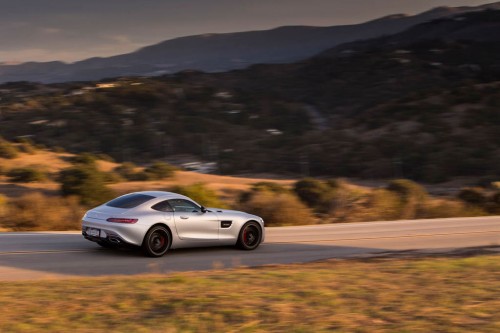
(121, 220)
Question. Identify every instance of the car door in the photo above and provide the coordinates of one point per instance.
(192, 224)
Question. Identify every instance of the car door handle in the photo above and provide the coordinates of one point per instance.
(184, 217)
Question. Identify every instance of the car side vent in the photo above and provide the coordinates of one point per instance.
(225, 224)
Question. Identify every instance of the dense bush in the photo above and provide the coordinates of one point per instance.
(35, 211)
(412, 195)
(278, 209)
(261, 186)
(384, 205)
(443, 208)
(473, 196)
(129, 171)
(84, 159)
(7, 150)
(480, 198)
(86, 182)
(408, 189)
(26, 146)
(160, 170)
(27, 175)
(111, 178)
(201, 194)
(317, 194)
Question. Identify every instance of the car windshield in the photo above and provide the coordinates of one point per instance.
(129, 200)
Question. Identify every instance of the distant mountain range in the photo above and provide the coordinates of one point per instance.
(223, 52)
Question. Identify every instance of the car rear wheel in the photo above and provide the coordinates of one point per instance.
(250, 236)
(157, 241)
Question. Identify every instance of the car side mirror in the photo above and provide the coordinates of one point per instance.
(203, 209)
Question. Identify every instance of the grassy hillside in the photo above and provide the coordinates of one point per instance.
(54, 192)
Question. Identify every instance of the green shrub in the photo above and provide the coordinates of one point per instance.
(128, 171)
(87, 183)
(111, 178)
(85, 159)
(7, 150)
(408, 189)
(278, 209)
(26, 146)
(105, 157)
(473, 196)
(160, 170)
(349, 204)
(26, 175)
(445, 208)
(384, 205)
(201, 194)
(413, 197)
(262, 186)
(141, 176)
(315, 193)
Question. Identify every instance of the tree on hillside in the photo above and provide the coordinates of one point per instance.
(86, 182)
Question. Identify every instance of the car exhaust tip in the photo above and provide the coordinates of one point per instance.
(115, 240)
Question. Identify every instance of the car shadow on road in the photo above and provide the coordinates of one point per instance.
(96, 261)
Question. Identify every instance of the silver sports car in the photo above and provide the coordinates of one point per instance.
(159, 221)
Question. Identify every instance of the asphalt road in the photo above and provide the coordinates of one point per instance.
(25, 256)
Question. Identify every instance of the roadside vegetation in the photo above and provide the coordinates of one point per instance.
(55, 198)
(371, 295)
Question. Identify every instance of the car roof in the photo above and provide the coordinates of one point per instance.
(163, 194)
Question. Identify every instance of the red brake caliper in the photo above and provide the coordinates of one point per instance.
(245, 236)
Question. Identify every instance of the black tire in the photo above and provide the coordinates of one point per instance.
(157, 241)
(250, 236)
(107, 245)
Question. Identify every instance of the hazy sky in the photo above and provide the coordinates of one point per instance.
(71, 30)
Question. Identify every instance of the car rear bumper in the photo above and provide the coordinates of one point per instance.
(114, 233)
(110, 238)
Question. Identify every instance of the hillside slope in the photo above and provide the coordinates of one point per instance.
(425, 108)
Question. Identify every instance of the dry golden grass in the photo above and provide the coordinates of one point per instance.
(53, 162)
(226, 186)
(35, 211)
(377, 295)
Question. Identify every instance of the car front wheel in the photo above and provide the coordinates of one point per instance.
(156, 242)
(250, 236)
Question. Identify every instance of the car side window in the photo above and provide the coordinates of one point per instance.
(163, 206)
(184, 206)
